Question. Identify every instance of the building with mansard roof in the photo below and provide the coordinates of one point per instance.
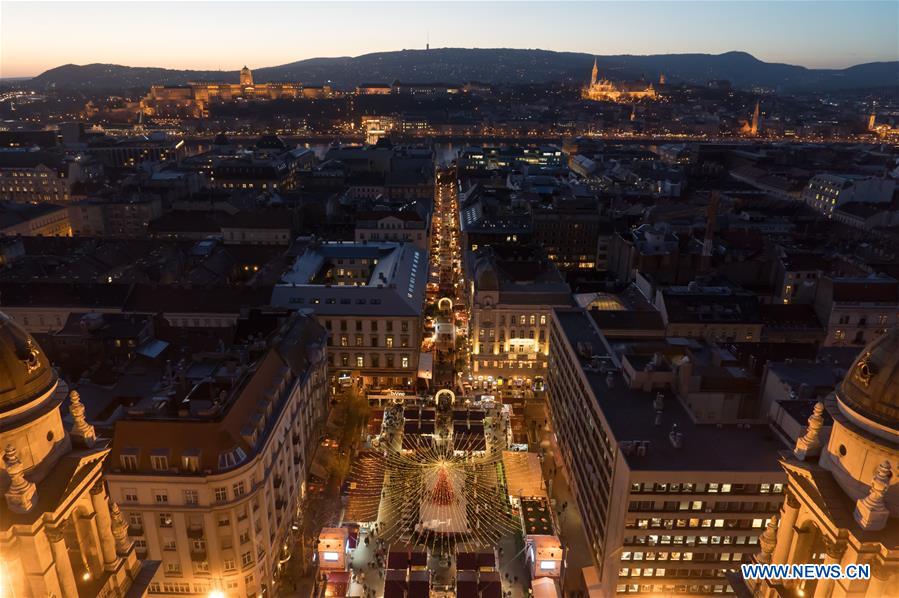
(211, 475)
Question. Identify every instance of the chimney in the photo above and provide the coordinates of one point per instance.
(676, 437)
(642, 448)
(659, 404)
(711, 216)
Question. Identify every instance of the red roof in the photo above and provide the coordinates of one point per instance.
(398, 560)
(490, 589)
(466, 589)
(466, 561)
(882, 291)
(404, 215)
(486, 559)
(419, 584)
(794, 314)
(395, 584)
(338, 583)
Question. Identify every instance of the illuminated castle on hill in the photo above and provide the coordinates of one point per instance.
(195, 97)
(603, 90)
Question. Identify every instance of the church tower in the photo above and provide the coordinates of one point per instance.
(61, 534)
(595, 75)
(246, 77)
(754, 127)
(842, 496)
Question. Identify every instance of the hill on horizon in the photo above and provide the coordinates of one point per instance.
(500, 66)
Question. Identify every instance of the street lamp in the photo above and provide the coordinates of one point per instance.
(216, 594)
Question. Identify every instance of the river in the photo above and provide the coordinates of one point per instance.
(444, 153)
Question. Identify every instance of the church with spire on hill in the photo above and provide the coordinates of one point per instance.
(604, 90)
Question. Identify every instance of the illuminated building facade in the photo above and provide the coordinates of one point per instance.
(60, 532)
(826, 192)
(374, 89)
(376, 127)
(514, 290)
(841, 502)
(405, 226)
(856, 310)
(211, 487)
(883, 130)
(37, 176)
(195, 97)
(603, 90)
(370, 297)
(669, 505)
(34, 220)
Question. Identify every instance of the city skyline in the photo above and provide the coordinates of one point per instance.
(576, 299)
(811, 34)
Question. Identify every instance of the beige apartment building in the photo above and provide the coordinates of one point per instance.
(34, 220)
(715, 313)
(211, 480)
(514, 290)
(399, 227)
(28, 176)
(855, 311)
(370, 297)
(126, 217)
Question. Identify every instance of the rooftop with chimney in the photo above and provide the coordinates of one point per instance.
(678, 442)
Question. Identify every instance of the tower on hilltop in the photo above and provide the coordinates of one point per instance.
(754, 127)
(246, 77)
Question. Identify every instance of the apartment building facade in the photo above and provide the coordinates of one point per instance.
(213, 489)
(663, 514)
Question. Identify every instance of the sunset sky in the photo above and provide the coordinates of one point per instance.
(226, 35)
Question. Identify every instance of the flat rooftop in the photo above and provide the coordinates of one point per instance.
(394, 286)
(631, 415)
(536, 517)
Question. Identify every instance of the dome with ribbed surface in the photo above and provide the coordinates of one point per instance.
(871, 387)
(25, 372)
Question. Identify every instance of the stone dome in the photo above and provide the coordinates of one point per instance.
(25, 372)
(871, 387)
